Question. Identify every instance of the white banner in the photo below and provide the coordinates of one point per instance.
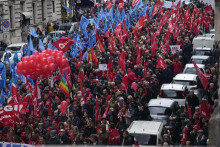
(168, 4)
(174, 48)
(8, 144)
(103, 67)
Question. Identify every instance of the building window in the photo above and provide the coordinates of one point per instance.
(34, 13)
(11, 16)
(22, 6)
(53, 5)
(1, 14)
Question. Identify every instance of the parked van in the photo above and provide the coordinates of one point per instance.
(146, 132)
(204, 41)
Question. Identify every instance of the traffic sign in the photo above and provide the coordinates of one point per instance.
(5, 30)
(6, 24)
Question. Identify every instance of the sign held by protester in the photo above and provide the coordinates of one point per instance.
(174, 48)
(103, 67)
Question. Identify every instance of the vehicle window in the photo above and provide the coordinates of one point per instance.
(192, 70)
(200, 61)
(203, 52)
(187, 83)
(171, 94)
(144, 139)
(157, 110)
(15, 48)
(64, 28)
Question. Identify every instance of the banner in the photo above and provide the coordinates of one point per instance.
(174, 48)
(168, 4)
(8, 144)
(103, 67)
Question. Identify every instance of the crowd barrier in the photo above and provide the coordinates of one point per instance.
(10, 144)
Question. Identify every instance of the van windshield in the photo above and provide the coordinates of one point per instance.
(154, 110)
(192, 70)
(187, 83)
(145, 139)
(203, 52)
(14, 48)
(171, 94)
(200, 61)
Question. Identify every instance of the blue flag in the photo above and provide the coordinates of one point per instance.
(138, 6)
(151, 11)
(8, 60)
(2, 99)
(85, 55)
(50, 46)
(4, 75)
(34, 33)
(84, 22)
(15, 59)
(31, 47)
(41, 45)
(67, 8)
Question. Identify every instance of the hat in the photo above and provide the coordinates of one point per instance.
(49, 128)
(111, 90)
(129, 69)
(196, 113)
(74, 103)
(94, 80)
(54, 122)
(75, 99)
(200, 131)
(50, 92)
(62, 130)
(87, 89)
(88, 98)
(37, 115)
(57, 98)
(196, 127)
(115, 87)
(135, 78)
(23, 134)
(68, 100)
(98, 84)
(90, 95)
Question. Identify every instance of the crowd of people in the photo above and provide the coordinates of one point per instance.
(79, 125)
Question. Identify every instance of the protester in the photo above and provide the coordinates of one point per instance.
(112, 71)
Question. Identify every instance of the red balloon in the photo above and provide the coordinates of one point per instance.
(49, 51)
(35, 53)
(44, 51)
(63, 107)
(50, 60)
(19, 65)
(32, 57)
(25, 58)
(18, 71)
(25, 65)
(42, 55)
(39, 67)
(58, 61)
(24, 72)
(45, 69)
(60, 52)
(37, 58)
(52, 66)
(43, 61)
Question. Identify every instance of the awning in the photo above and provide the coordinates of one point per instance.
(27, 14)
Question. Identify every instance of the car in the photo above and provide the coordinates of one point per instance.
(189, 80)
(12, 49)
(203, 41)
(176, 92)
(166, 111)
(201, 59)
(50, 36)
(190, 68)
(146, 132)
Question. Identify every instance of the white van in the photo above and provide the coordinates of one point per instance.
(201, 41)
(146, 132)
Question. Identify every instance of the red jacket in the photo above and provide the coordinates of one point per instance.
(114, 136)
(177, 67)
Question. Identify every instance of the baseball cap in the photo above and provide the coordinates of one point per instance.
(87, 89)
(68, 100)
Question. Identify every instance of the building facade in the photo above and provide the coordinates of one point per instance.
(25, 14)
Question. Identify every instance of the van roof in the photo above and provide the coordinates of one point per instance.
(145, 127)
(203, 48)
(185, 77)
(191, 65)
(200, 57)
(177, 87)
(161, 102)
(16, 44)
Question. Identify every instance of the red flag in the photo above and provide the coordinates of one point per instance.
(63, 44)
(208, 9)
(197, 27)
(94, 58)
(134, 2)
(145, 70)
(109, 5)
(187, 15)
(163, 49)
(138, 56)
(106, 110)
(188, 109)
(101, 48)
(185, 132)
(155, 9)
(124, 31)
(139, 24)
(161, 63)
(82, 100)
(202, 78)
(161, 12)
(146, 18)
(110, 71)
(97, 112)
(120, 5)
(121, 61)
(28, 85)
(153, 45)
(204, 111)
(36, 100)
(124, 83)
(158, 30)
(170, 26)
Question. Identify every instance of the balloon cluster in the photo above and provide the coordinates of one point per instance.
(41, 64)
